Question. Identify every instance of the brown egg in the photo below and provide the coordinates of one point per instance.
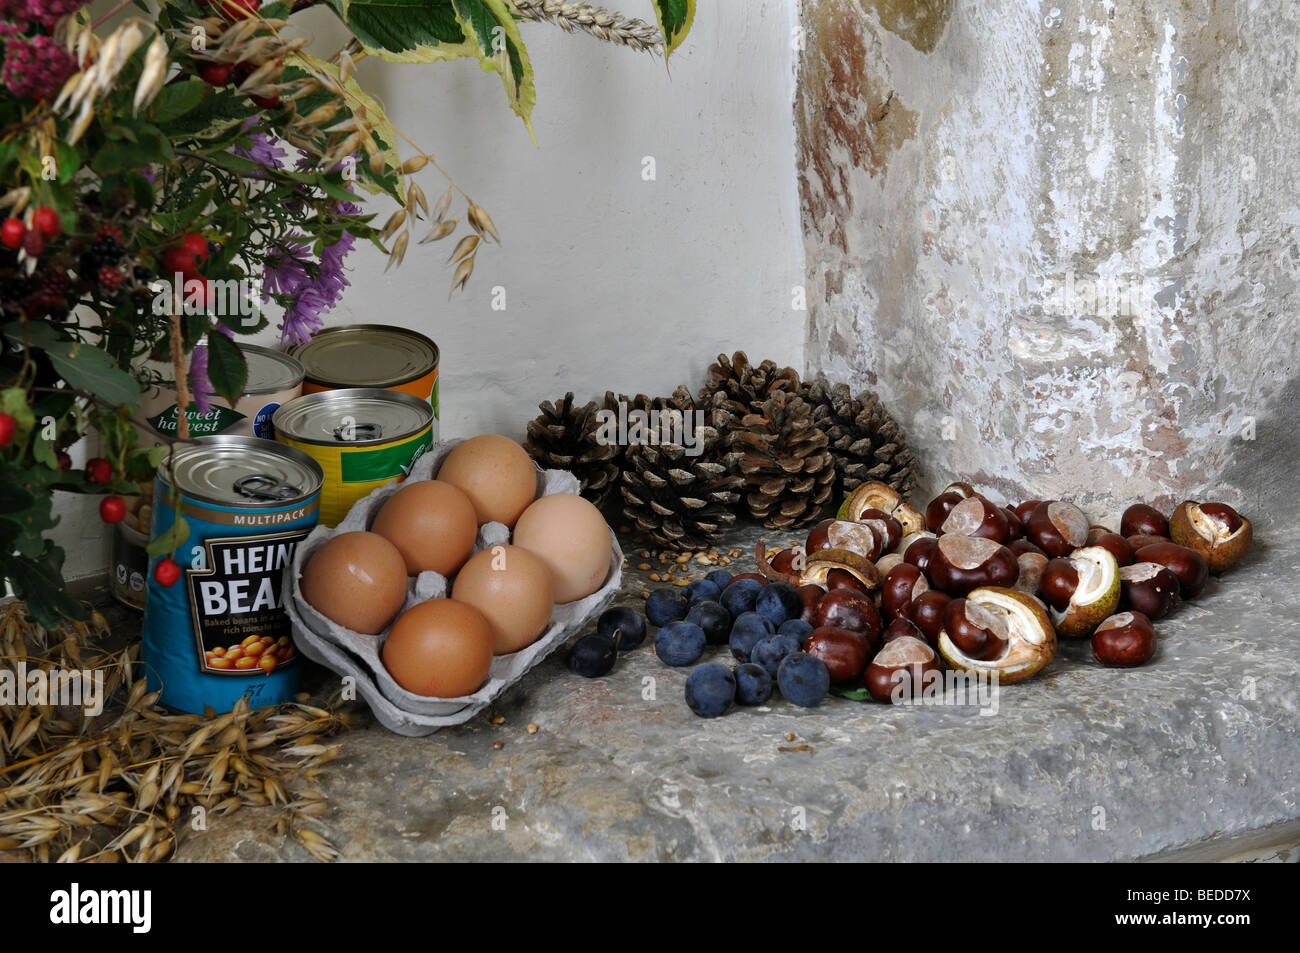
(431, 523)
(441, 648)
(571, 537)
(495, 473)
(513, 590)
(357, 580)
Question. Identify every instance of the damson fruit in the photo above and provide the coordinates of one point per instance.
(746, 632)
(711, 690)
(680, 643)
(623, 626)
(753, 684)
(740, 595)
(769, 651)
(720, 578)
(593, 656)
(779, 601)
(702, 589)
(803, 679)
(713, 619)
(666, 605)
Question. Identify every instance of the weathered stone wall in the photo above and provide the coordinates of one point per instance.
(1059, 238)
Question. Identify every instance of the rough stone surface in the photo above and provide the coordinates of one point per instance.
(1198, 752)
(1058, 238)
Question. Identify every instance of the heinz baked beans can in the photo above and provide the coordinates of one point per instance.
(220, 633)
(362, 438)
(372, 355)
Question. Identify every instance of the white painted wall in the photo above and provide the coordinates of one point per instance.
(611, 282)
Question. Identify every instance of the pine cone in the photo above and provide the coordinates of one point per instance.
(868, 444)
(738, 387)
(679, 491)
(789, 472)
(566, 437)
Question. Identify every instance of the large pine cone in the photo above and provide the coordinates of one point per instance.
(868, 444)
(565, 437)
(738, 387)
(681, 490)
(789, 472)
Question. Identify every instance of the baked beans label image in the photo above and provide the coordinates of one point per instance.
(235, 588)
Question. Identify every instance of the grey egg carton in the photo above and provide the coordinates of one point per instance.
(357, 656)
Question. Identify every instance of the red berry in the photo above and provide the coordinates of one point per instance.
(166, 572)
(215, 74)
(99, 471)
(112, 509)
(34, 242)
(196, 244)
(65, 461)
(110, 231)
(46, 221)
(239, 9)
(110, 277)
(266, 102)
(179, 258)
(7, 426)
(12, 232)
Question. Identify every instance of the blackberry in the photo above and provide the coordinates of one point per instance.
(88, 265)
(142, 274)
(107, 250)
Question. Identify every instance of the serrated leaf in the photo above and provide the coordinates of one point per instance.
(39, 583)
(227, 369)
(675, 19)
(501, 50)
(170, 539)
(90, 369)
(406, 31)
(177, 99)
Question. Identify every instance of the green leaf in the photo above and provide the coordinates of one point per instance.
(233, 163)
(176, 99)
(406, 31)
(227, 369)
(14, 498)
(90, 369)
(171, 538)
(852, 694)
(39, 583)
(675, 19)
(501, 50)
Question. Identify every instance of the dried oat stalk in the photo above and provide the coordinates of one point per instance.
(125, 786)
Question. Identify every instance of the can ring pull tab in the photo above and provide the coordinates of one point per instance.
(349, 432)
(259, 486)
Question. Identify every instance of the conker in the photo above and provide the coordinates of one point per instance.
(1148, 588)
(1140, 519)
(927, 613)
(861, 538)
(938, 509)
(900, 588)
(1015, 525)
(1058, 582)
(1023, 510)
(1057, 527)
(887, 563)
(979, 633)
(1125, 640)
(1215, 530)
(845, 652)
(976, 516)
(810, 595)
(1113, 543)
(849, 609)
(901, 670)
(962, 563)
(920, 552)
(1188, 565)
(900, 628)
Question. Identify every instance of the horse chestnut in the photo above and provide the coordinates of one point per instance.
(1189, 566)
(900, 588)
(1148, 588)
(962, 563)
(927, 613)
(1057, 528)
(848, 609)
(976, 516)
(901, 670)
(1215, 530)
(1124, 640)
(980, 633)
(1140, 519)
(845, 652)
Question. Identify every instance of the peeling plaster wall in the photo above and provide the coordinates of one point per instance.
(1059, 238)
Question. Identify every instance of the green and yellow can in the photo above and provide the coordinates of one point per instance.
(362, 437)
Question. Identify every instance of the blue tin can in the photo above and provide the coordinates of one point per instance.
(220, 633)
